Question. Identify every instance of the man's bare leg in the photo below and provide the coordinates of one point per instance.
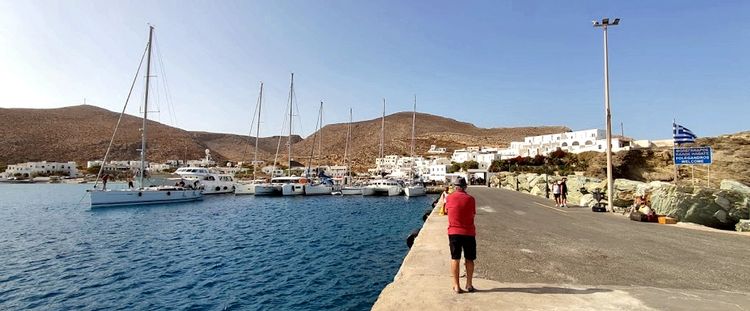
(469, 273)
(455, 267)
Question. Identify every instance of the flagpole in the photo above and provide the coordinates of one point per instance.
(674, 149)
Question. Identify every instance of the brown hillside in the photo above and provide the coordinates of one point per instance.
(430, 130)
(240, 148)
(82, 133)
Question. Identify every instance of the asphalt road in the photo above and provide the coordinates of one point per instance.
(526, 239)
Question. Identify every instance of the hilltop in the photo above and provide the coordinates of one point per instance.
(82, 133)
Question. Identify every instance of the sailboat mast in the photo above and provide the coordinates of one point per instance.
(257, 130)
(382, 131)
(289, 142)
(413, 125)
(346, 146)
(145, 106)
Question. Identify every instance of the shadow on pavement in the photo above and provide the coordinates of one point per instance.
(544, 290)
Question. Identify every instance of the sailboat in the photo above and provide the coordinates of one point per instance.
(142, 195)
(413, 187)
(349, 189)
(322, 183)
(249, 188)
(382, 186)
(290, 185)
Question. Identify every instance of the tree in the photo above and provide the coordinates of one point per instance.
(454, 167)
(468, 165)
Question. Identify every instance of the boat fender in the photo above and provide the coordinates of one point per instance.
(233, 188)
(225, 187)
(410, 239)
(218, 188)
(169, 193)
(426, 215)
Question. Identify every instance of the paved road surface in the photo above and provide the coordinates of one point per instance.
(526, 239)
(533, 256)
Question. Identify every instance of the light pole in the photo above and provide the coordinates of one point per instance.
(604, 24)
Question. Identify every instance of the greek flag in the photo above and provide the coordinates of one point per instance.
(682, 134)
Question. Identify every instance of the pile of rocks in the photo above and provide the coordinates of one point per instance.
(721, 208)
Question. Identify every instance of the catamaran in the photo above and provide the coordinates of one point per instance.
(142, 195)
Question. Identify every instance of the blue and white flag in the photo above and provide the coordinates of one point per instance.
(682, 134)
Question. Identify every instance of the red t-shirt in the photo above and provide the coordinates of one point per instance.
(461, 209)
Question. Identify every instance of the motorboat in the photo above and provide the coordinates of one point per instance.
(102, 197)
(383, 187)
(201, 177)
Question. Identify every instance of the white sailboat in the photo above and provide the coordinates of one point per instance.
(389, 187)
(249, 187)
(321, 184)
(349, 189)
(413, 187)
(142, 195)
(292, 188)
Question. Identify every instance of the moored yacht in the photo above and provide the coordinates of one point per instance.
(384, 187)
(414, 189)
(143, 195)
(290, 185)
(201, 177)
(247, 188)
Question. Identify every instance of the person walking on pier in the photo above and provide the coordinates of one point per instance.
(461, 209)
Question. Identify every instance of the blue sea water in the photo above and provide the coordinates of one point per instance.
(223, 253)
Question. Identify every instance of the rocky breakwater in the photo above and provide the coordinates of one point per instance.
(722, 208)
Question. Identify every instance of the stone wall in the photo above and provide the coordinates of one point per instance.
(719, 208)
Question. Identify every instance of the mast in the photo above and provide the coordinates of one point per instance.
(346, 146)
(257, 130)
(318, 130)
(289, 141)
(145, 106)
(382, 131)
(413, 125)
(413, 130)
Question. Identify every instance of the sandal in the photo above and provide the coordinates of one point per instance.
(471, 289)
(458, 290)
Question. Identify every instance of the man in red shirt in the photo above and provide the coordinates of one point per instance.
(461, 209)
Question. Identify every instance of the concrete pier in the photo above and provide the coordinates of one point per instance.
(534, 256)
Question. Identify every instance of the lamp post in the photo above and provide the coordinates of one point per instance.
(604, 24)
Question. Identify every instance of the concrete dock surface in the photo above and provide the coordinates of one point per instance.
(535, 256)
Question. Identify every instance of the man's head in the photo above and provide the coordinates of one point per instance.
(460, 183)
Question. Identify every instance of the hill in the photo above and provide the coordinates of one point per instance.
(82, 133)
(430, 130)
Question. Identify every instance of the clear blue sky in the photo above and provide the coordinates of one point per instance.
(491, 63)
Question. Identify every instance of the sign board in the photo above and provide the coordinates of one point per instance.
(692, 155)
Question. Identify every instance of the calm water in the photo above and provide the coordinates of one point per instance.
(224, 253)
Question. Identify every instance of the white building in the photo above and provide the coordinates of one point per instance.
(31, 169)
(436, 150)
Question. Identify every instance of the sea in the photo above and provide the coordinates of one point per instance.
(223, 253)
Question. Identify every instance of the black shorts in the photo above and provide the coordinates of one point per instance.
(557, 195)
(466, 243)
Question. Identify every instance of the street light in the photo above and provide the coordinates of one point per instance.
(604, 24)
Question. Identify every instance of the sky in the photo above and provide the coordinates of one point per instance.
(490, 63)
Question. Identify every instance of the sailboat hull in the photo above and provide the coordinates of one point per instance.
(318, 189)
(267, 190)
(244, 189)
(137, 197)
(414, 191)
